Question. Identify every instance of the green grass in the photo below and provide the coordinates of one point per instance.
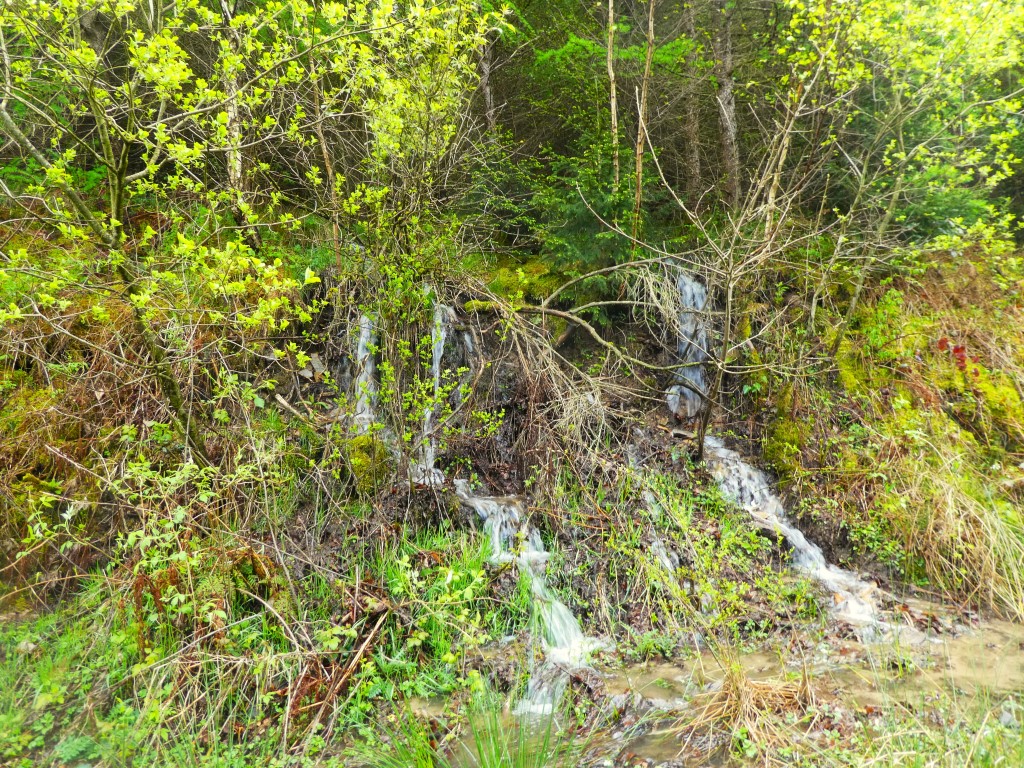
(943, 734)
(490, 738)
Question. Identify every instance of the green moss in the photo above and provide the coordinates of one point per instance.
(988, 399)
(22, 414)
(743, 327)
(783, 444)
(370, 462)
(787, 436)
(475, 305)
(533, 279)
(852, 373)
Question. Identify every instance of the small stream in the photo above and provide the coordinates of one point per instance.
(853, 599)
(365, 383)
(750, 488)
(956, 658)
(425, 472)
(566, 648)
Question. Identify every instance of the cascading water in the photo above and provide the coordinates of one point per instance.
(565, 646)
(365, 386)
(685, 397)
(749, 487)
(425, 473)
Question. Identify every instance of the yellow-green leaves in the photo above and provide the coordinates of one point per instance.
(160, 62)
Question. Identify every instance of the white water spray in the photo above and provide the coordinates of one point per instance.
(853, 598)
(425, 473)
(565, 646)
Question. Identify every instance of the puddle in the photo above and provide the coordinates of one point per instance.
(658, 682)
(658, 746)
(932, 655)
(985, 661)
(425, 707)
(679, 680)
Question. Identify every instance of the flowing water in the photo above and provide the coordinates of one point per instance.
(565, 646)
(982, 664)
(853, 600)
(750, 488)
(687, 395)
(425, 473)
(365, 387)
(986, 659)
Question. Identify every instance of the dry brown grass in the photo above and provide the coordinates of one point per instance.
(758, 711)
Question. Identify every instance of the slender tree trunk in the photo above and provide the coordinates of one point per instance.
(486, 62)
(727, 103)
(613, 99)
(235, 158)
(780, 164)
(691, 115)
(716, 383)
(641, 123)
(329, 173)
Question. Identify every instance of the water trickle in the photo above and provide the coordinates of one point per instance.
(365, 381)
(565, 646)
(749, 487)
(687, 395)
(425, 473)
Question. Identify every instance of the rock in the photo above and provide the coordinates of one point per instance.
(1008, 720)
(619, 701)
(668, 705)
(25, 647)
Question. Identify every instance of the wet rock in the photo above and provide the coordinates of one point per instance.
(618, 701)
(668, 705)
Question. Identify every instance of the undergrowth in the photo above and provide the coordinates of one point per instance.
(910, 455)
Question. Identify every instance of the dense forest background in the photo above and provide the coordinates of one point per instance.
(238, 237)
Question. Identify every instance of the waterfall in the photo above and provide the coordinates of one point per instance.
(425, 473)
(565, 646)
(365, 382)
(749, 487)
(686, 397)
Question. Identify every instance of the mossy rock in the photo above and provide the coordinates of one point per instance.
(534, 279)
(784, 443)
(988, 398)
(787, 435)
(370, 462)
